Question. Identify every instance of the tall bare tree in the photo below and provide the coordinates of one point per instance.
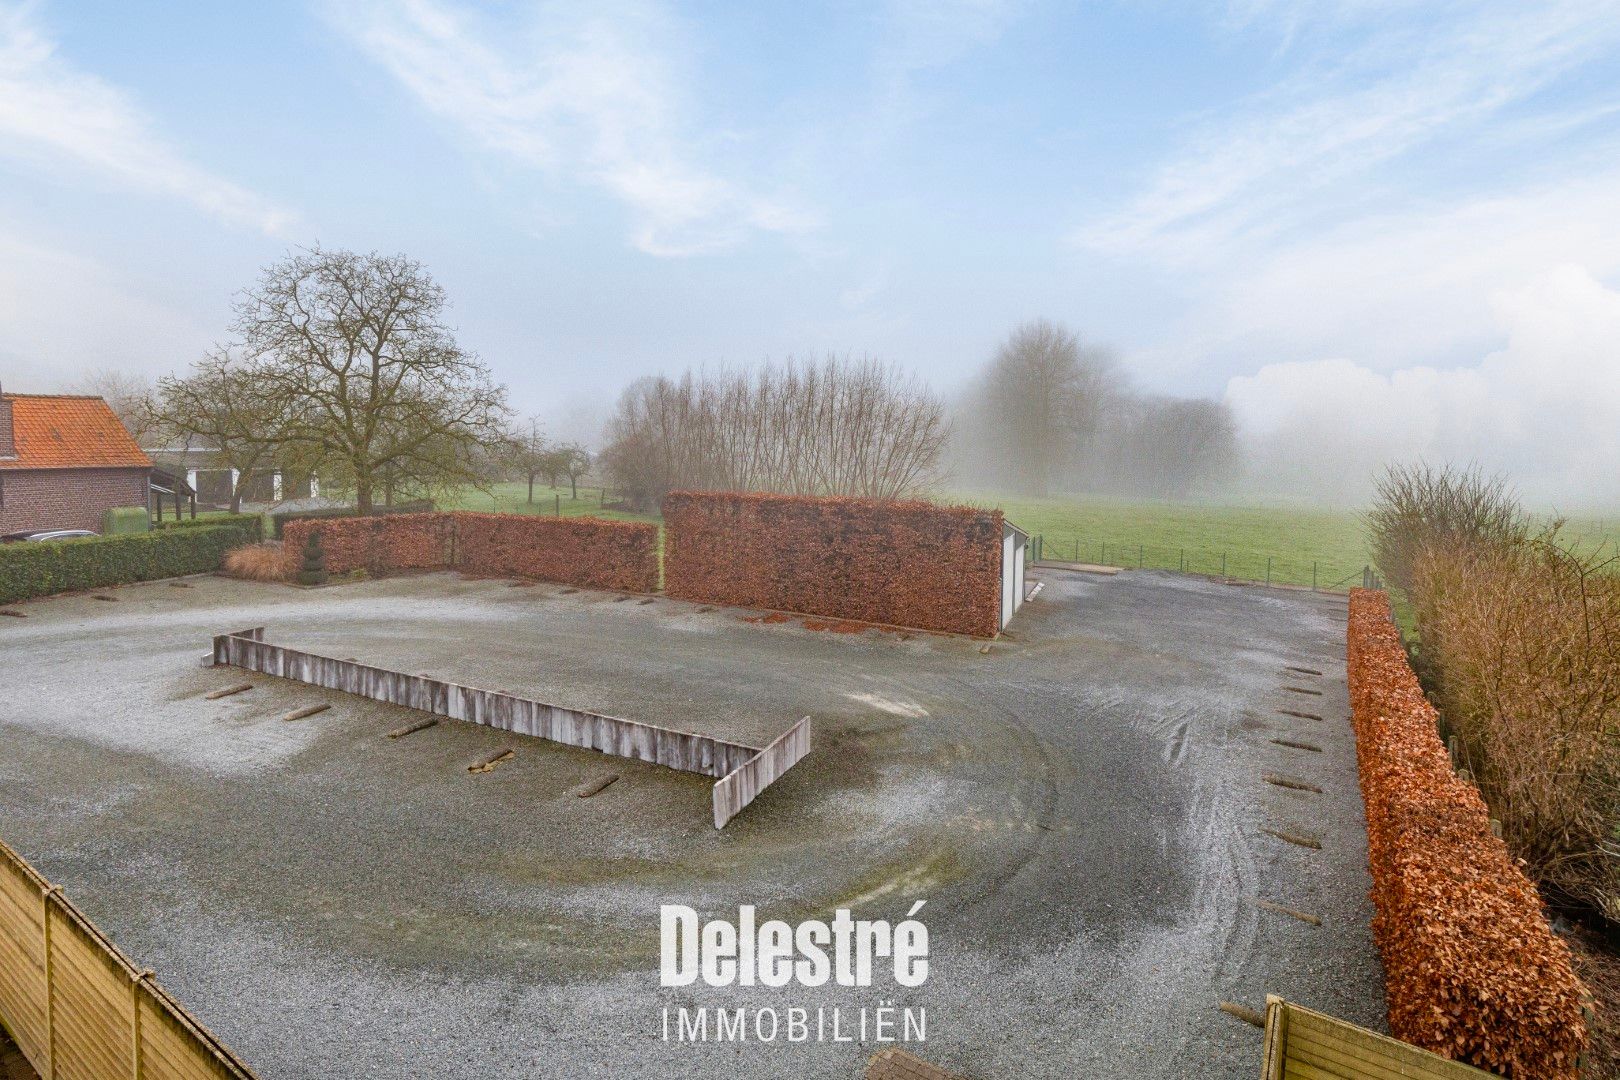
(355, 349)
(1037, 406)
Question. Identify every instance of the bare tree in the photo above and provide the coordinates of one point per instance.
(1165, 447)
(373, 385)
(218, 407)
(845, 427)
(1033, 415)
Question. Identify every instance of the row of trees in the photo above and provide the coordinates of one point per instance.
(1048, 414)
(840, 426)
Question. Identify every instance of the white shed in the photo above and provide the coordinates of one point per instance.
(1014, 541)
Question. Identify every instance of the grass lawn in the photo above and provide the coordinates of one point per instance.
(513, 498)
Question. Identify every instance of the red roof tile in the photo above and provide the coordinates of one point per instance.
(63, 432)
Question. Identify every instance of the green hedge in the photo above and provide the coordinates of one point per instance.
(39, 568)
(255, 524)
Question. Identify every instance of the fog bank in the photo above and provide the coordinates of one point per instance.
(1544, 409)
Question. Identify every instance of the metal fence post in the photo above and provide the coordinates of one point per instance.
(1183, 560)
(1268, 569)
(1223, 564)
(1313, 577)
(1139, 549)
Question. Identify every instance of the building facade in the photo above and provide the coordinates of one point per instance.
(64, 462)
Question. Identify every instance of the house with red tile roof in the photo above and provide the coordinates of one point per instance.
(64, 461)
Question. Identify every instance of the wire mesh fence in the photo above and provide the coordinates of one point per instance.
(1229, 564)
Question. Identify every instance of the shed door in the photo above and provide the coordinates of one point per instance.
(1009, 577)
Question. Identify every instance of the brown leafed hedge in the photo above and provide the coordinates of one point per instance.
(898, 563)
(581, 551)
(1472, 970)
(576, 551)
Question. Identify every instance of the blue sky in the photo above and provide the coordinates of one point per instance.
(1248, 199)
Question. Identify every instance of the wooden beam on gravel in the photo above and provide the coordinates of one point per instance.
(228, 691)
(411, 729)
(488, 762)
(596, 787)
(301, 714)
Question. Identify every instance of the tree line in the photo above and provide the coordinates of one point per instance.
(342, 365)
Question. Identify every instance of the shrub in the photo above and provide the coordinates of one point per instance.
(257, 562)
(30, 569)
(897, 563)
(253, 523)
(1472, 970)
(1420, 506)
(1521, 646)
(379, 543)
(122, 520)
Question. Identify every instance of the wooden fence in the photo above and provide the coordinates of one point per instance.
(744, 771)
(1306, 1045)
(78, 1008)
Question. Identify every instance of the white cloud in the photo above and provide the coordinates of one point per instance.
(590, 92)
(1306, 147)
(1541, 408)
(52, 113)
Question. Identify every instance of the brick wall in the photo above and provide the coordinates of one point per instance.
(65, 498)
(8, 442)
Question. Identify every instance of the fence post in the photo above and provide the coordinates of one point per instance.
(1313, 577)
(1268, 569)
(558, 497)
(1223, 564)
(1183, 560)
(1102, 554)
(1139, 549)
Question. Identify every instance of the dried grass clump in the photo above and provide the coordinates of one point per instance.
(1420, 507)
(1521, 643)
(257, 562)
(1472, 970)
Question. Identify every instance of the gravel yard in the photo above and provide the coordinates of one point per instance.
(1082, 807)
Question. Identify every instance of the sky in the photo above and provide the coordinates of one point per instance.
(1375, 227)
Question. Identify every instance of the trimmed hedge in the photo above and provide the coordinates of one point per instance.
(896, 563)
(254, 524)
(581, 551)
(376, 545)
(576, 551)
(279, 520)
(1472, 970)
(29, 568)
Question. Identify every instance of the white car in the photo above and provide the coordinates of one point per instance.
(49, 534)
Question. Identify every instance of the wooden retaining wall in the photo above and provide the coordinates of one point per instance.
(744, 771)
(739, 787)
(77, 1007)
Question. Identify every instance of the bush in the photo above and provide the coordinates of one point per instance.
(29, 569)
(1419, 506)
(122, 520)
(1521, 648)
(1472, 971)
(895, 563)
(253, 523)
(257, 562)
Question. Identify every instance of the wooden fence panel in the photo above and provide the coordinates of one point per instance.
(22, 956)
(744, 770)
(1301, 1044)
(78, 1008)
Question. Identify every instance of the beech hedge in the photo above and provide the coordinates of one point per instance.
(1472, 970)
(39, 568)
(575, 551)
(895, 563)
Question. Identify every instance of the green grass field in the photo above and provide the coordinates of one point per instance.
(1296, 545)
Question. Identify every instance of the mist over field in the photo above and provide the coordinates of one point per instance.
(1544, 409)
